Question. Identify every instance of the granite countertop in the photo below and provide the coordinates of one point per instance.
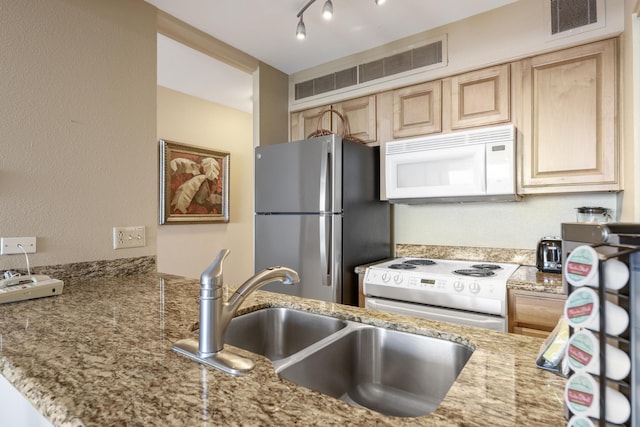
(530, 279)
(100, 354)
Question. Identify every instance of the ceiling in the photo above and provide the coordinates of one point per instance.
(265, 29)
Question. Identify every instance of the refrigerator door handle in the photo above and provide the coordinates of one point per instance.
(325, 177)
(325, 235)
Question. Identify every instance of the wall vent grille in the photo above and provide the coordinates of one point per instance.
(327, 83)
(419, 57)
(571, 14)
(404, 61)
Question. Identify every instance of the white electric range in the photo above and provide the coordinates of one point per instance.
(463, 292)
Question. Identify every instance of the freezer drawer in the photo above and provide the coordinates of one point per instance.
(310, 245)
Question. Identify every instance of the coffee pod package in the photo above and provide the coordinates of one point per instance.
(582, 310)
(583, 355)
(581, 269)
(582, 395)
(580, 421)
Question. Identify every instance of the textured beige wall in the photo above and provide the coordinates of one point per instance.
(271, 114)
(77, 125)
(187, 249)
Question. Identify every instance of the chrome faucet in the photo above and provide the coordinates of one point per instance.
(215, 315)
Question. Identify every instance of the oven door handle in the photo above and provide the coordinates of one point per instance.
(495, 323)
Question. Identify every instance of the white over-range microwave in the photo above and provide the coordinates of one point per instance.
(473, 165)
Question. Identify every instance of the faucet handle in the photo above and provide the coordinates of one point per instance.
(212, 276)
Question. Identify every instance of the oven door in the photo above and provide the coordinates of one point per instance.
(478, 320)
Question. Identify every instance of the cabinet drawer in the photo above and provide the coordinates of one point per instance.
(535, 310)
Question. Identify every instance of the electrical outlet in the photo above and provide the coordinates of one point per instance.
(9, 245)
(128, 237)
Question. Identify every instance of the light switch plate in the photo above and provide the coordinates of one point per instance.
(9, 245)
(129, 237)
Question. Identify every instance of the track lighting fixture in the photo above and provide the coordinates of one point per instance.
(327, 10)
(327, 13)
(301, 31)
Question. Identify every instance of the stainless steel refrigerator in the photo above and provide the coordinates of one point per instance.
(318, 211)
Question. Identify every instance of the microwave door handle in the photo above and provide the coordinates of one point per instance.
(325, 234)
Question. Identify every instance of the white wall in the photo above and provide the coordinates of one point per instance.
(515, 225)
(78, 125)
(187, 249)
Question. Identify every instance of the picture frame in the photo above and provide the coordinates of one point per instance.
(194, 184)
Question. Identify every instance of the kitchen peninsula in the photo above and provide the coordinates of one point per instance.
(100, 354)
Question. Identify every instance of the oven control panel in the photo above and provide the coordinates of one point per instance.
(468, 286)
(481, 295)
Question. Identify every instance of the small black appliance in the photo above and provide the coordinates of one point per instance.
(549, 255)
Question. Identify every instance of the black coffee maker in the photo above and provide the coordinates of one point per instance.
(549, 255)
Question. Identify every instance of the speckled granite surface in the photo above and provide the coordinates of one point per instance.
(96, 269)
(530, 279)
(100, 355)
(468, 253)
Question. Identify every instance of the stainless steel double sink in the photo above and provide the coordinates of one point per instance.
(388, 371)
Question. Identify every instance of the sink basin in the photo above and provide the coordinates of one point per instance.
(277, 333)
(391, 372)
(394, 373)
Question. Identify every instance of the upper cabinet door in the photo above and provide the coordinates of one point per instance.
(478, 98)
(305, 122)
(361, 114)
(417, 110)
(569, 123)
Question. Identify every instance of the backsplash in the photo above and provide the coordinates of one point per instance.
(467, 253)
(97, 269)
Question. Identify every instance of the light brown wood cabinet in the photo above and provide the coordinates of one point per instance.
(564, 105)
(417, 110)
(360, 112)
(534, 313)
(569, 122)
(477, 98)
(305, 122)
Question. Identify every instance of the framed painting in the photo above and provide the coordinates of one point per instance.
(194, 184)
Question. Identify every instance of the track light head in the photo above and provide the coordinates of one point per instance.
(301, 30)
(327, 13)
(327, 10)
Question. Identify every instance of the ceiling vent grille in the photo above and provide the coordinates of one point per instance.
(571, 14)
(419, 57)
